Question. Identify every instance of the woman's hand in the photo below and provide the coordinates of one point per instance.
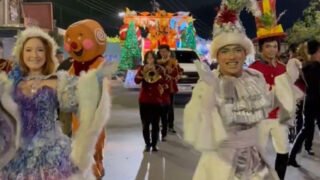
(205, 72)
(147, 67)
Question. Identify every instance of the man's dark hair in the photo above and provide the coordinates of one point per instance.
(164, 46)
(293, 47)
(261, 42)
(313, 46)
(1, 44)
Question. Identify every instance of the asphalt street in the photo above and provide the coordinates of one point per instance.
(176, 160)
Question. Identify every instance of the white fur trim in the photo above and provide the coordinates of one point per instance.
(204, 129)
(286, 97)
(12, 108)
(33, 32)
(293, 68)
(203, 126)
(229, 38)
(81, 176)
(66, 89)
(63, 79)
(94, 111)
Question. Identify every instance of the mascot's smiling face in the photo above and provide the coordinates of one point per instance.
(85, 40)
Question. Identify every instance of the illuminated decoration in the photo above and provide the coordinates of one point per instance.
(147, 44)
(130, 51)
(158, 28)
(227, 15)
(129, 80)
(113, 39)
(190, 39)
(203, 48)
(124, 29)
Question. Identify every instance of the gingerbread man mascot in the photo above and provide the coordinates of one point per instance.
(85, 41)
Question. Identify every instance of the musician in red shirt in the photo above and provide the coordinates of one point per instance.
(153, 85)
(173, 71)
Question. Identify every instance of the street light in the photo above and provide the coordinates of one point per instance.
(121, 14)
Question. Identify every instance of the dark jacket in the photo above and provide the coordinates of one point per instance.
(311, 72)
(65, 64)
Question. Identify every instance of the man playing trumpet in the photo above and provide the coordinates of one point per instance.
(173, 71)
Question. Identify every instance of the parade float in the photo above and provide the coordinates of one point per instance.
(144, 31)
(160, 27)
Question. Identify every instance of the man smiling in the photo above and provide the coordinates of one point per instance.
(221, 120)
(269, 36)
(231, 59)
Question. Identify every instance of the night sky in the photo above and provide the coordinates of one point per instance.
(106, 12)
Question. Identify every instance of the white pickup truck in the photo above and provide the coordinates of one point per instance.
(189, 77)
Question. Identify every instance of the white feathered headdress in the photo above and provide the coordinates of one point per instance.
(33, 32)
(228, 29)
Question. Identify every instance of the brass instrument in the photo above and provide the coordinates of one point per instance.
(151, 73)
(170, 64)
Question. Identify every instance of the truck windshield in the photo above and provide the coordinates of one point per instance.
(185, 56)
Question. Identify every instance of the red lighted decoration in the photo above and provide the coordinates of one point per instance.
(227, 16)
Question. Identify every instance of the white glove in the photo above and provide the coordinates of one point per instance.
(294, 67)
(205, 73)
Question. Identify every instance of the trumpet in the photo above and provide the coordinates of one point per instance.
(151, 73)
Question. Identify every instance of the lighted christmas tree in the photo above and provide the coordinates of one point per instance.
(130, 51)
(188, 37)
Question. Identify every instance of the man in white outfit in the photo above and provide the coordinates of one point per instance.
(227, 105)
